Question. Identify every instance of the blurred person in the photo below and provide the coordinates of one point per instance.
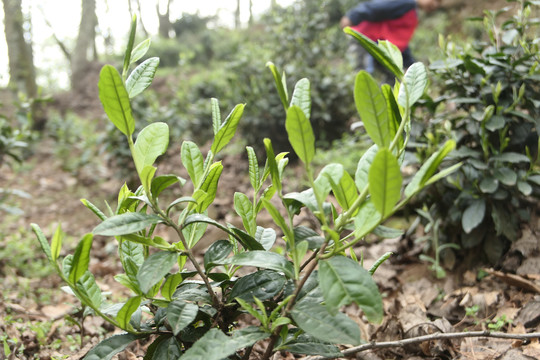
(392, 20)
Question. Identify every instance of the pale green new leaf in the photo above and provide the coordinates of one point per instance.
(94, 209)
(146, 175)
(216, 115)
(228, 128)
(125, 224)
(301, 96)
(362, 169)
(272, 165)
(140, 50)
(151, 142)
(81, 258)
(278, 219)
(343, 281)
(254, 175)
(300, 134)
(154, 269)
(380, 54)
(391, 52)
(193, 161)
(385, 182)
(281, 85)
(56, 242)
(371, 106)
(124, 315)
(244, 208)
(115, 100)
(413, 86)
(316, 321)
(88, 286)
(106, 349)
(210, 185)
(141, 78)
(344, 191)
(366, 220)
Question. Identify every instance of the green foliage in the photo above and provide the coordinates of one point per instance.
(296, 307)
(490, 108)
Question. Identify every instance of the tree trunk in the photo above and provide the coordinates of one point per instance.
(237, 15)
(165, 25)
(22, 74)
(84, 48)
(250, 12)
(273, 4)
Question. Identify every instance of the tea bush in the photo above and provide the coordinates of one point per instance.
(190, 308)
(490, 106)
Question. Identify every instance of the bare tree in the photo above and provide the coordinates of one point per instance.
(20, 55)
(165, 25)
(85, 49)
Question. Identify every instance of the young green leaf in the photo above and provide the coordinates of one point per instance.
(272, 165)
(254, 175)
(162, 182)
(124, 315)
(362, 169)
(180, 314)
(140, 50)
(141, 77)
(316, 321)
(87, 285)
(371, 106)
(115, 100)
(147, 175)
(301, 97)
(228, 128)
(380, 54)
(244, 208)
(94, 209)
(210, 185)
(344, 190)
(344, 281)
(279, 220)
(281, 85)
(193, 161)
(170, 285)
(385, 182)
(109, 347)
(413, 86)
(262, 259)
(56, 242)
(392, 52)
(129, 47)
(300, 134)
(216, 115)
(81, 258)
(151, 142)
(154, 269)
(124, 224)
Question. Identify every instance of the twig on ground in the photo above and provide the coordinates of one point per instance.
(436, 336)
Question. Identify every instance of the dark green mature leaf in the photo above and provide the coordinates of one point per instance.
(371, 106)
(379, 54)
(109, 347)
(510, 157)
(180, 314)
(343, 281)
(263, 285)
(42, 241)
(193, 161)
(115, 100)
(262, 259)
(124, 315)
(151, 142)
(141, 78)
(506, 176)
(127, 223)
(385, 182)
(300, 134)
(217, 252)
(489, 185)
(413, 86)
(316, 321)
(215, 345)
(247, 241)
(168, 349)
(308, 345)
(473, 215)
(301, 96)
(154, 269)
(313, 238)
(81, 258)
(228, 128)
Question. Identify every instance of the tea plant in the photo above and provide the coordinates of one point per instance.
(490, 107)
(191, 307)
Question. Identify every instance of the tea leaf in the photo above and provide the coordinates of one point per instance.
(300, 134)
(94, 209)
(344, 191)
(56, 242)
(316, 321)
(343, 281)
(140, 50)
(154, 269)
(266, 237)
(141, 78)
(281, 85)
(193, 161)
(217, 252)
(151, 142)
(88, 286)
(279, 220)
(362, 169)
(254, 175)
(413, 86)
(272, 165)
(81, 258)
(371, 106)
(216, 115)
(210, 185)
(162, 182)
(385, 182)
(180, 314)
(301, 96)
(115, 100)
(244, 208)
(124, 224)
(263, 284)
(106, 349)
(167, 349)
(170, 285)
(247, 241)
(124, 315)
(227, 129)
(262, 259)
(473, 215)
(308, 345)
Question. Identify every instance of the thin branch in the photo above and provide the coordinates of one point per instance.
(437, 336)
